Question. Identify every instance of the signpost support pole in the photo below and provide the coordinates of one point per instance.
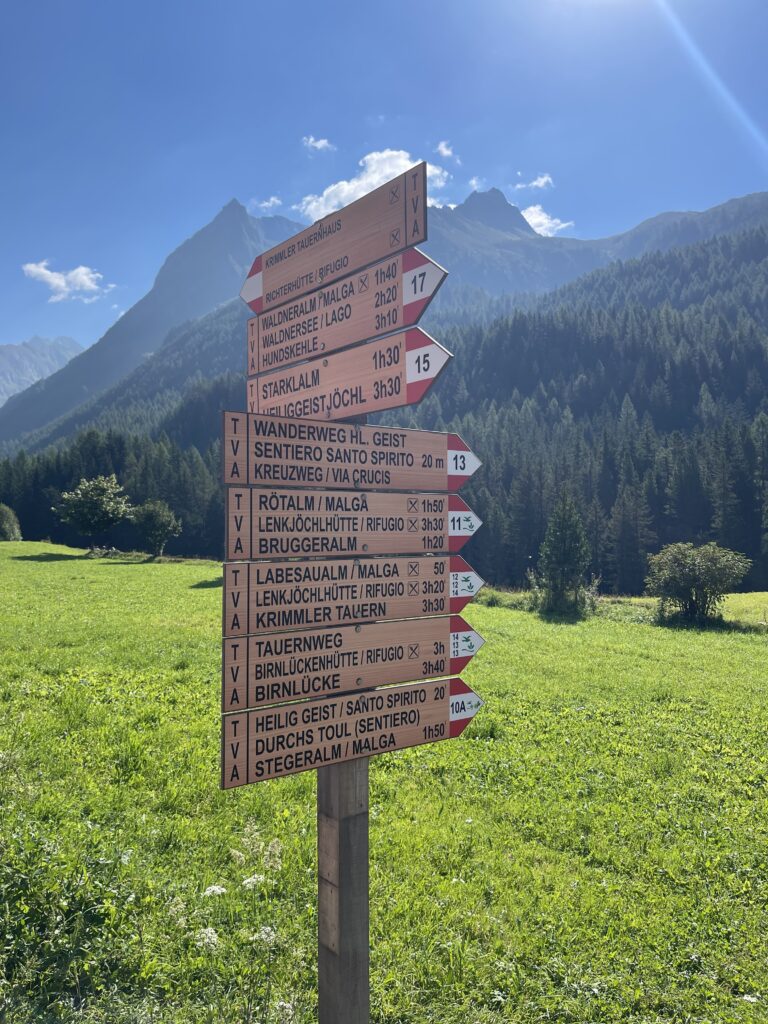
(343, 982)
(342, 843)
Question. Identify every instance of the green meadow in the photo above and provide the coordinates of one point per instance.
(594, 848)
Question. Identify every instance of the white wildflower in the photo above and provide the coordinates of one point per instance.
(215, 890)
(252, 840)
(177, 911)
(207, 938)
(237, 856)
(285, 1012)
(273, 860)
(253, 881)
(266, 935)
(750, 999)
(125, 856)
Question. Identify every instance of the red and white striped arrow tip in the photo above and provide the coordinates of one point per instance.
(252, 292)
(465, 643)
(424, 359)
(465, 704)
(465, 583)
(462, 462)
(462, 522)
(421, 279)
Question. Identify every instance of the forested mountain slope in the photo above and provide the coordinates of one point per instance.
(485, 242)
(643, 387)
(197, 351)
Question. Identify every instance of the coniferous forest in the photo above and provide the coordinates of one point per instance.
(642, 388)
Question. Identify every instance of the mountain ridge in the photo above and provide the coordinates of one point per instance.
(23, 364)
(485, 242)
(195, 277)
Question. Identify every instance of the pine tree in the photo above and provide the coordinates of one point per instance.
(630, 538)
(564, 556)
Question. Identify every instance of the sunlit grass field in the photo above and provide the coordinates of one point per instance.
(594, 848)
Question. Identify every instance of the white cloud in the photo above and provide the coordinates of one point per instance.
(540, 181)
(475, 183)
(377, 168)
(265, 204)
(445, 150)
(83, 283)
(543, 223)
(321, 145)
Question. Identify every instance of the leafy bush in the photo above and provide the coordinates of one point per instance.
(94, 506)
(584, 600)
(156, 523)
(9, 524)
(693, 581)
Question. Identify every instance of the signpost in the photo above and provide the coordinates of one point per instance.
(385, 374)
(264, 596)
(388, 296)
(342, 589)
(270, 742)
(276, 452)
(271, 668)
(384, 222)
(265, 523)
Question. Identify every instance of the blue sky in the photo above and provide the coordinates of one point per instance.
(126, 127)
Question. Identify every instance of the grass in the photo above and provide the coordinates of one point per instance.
(593, 849)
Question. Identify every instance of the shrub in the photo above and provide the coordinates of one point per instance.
(693, 581)
(94, 506)
(156, 523)
(9, 524)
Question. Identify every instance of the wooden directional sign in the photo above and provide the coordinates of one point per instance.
(281, 523)
(270, 742)
(271, 668)
(263, 596)
(386, 297)
(386, 374)
(382, 223)
(273, 451)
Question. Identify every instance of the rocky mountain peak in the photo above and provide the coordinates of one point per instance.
(493, 209)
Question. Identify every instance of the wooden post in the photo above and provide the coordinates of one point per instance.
(343, 984)
(342, 910)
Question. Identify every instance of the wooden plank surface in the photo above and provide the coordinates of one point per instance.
(343, 995)
(266, 524)
(274, 451)
(264, 596)
(395, 371)
(386, 297)
(268, 743)
(384, 222)
(272, 668)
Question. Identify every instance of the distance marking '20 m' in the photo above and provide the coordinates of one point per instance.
(273, 451)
